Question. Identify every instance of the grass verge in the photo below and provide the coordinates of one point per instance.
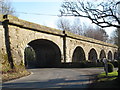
(10, 74)
(103, 81)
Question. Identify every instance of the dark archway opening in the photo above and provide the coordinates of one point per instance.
(78, 55)
(115, 56)
(30, 57)
(109, 55)
(47, 53)
(92, 55)
(102, 55)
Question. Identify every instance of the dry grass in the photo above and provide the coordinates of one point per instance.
(10, 74)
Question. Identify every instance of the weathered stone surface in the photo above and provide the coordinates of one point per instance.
(21, 33)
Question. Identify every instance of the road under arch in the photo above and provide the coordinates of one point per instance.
(47, 53)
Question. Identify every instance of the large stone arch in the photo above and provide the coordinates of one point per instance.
(78, 54)
(102, 54)
(47, 53)
(109, 55)
(32, 36)
(92, 55)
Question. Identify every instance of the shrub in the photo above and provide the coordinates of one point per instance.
(115, 63)
(110, 67)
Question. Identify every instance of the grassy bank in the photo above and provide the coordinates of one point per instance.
(103, 81)
(13, 74)
(10, 74)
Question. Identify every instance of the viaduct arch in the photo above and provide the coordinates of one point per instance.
(92, 55)
(47, 53)
(110, 55)
(78, 54)
(51, 46)
(102, 54)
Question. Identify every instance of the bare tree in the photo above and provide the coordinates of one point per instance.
(77, 27)
(96, 33)
(63, 24)
(6, 8)
(114, 38)
(103, 14)
(74, 27)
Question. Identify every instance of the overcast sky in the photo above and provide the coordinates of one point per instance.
(44, 12)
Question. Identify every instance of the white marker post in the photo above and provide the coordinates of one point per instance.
(105, 66)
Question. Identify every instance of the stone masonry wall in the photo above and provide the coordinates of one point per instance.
(2, 44)
(20, 37)
(22, 32)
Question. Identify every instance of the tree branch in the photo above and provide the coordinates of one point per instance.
(106, 16)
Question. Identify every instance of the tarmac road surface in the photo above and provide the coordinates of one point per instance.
(55, 78)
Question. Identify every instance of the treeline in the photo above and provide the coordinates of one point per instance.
(77, 27)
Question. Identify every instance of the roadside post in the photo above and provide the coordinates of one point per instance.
(105, 66)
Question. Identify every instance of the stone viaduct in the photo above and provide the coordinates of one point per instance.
(50, 46)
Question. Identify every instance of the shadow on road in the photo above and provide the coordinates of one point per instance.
(53, 83)
(58, 79)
